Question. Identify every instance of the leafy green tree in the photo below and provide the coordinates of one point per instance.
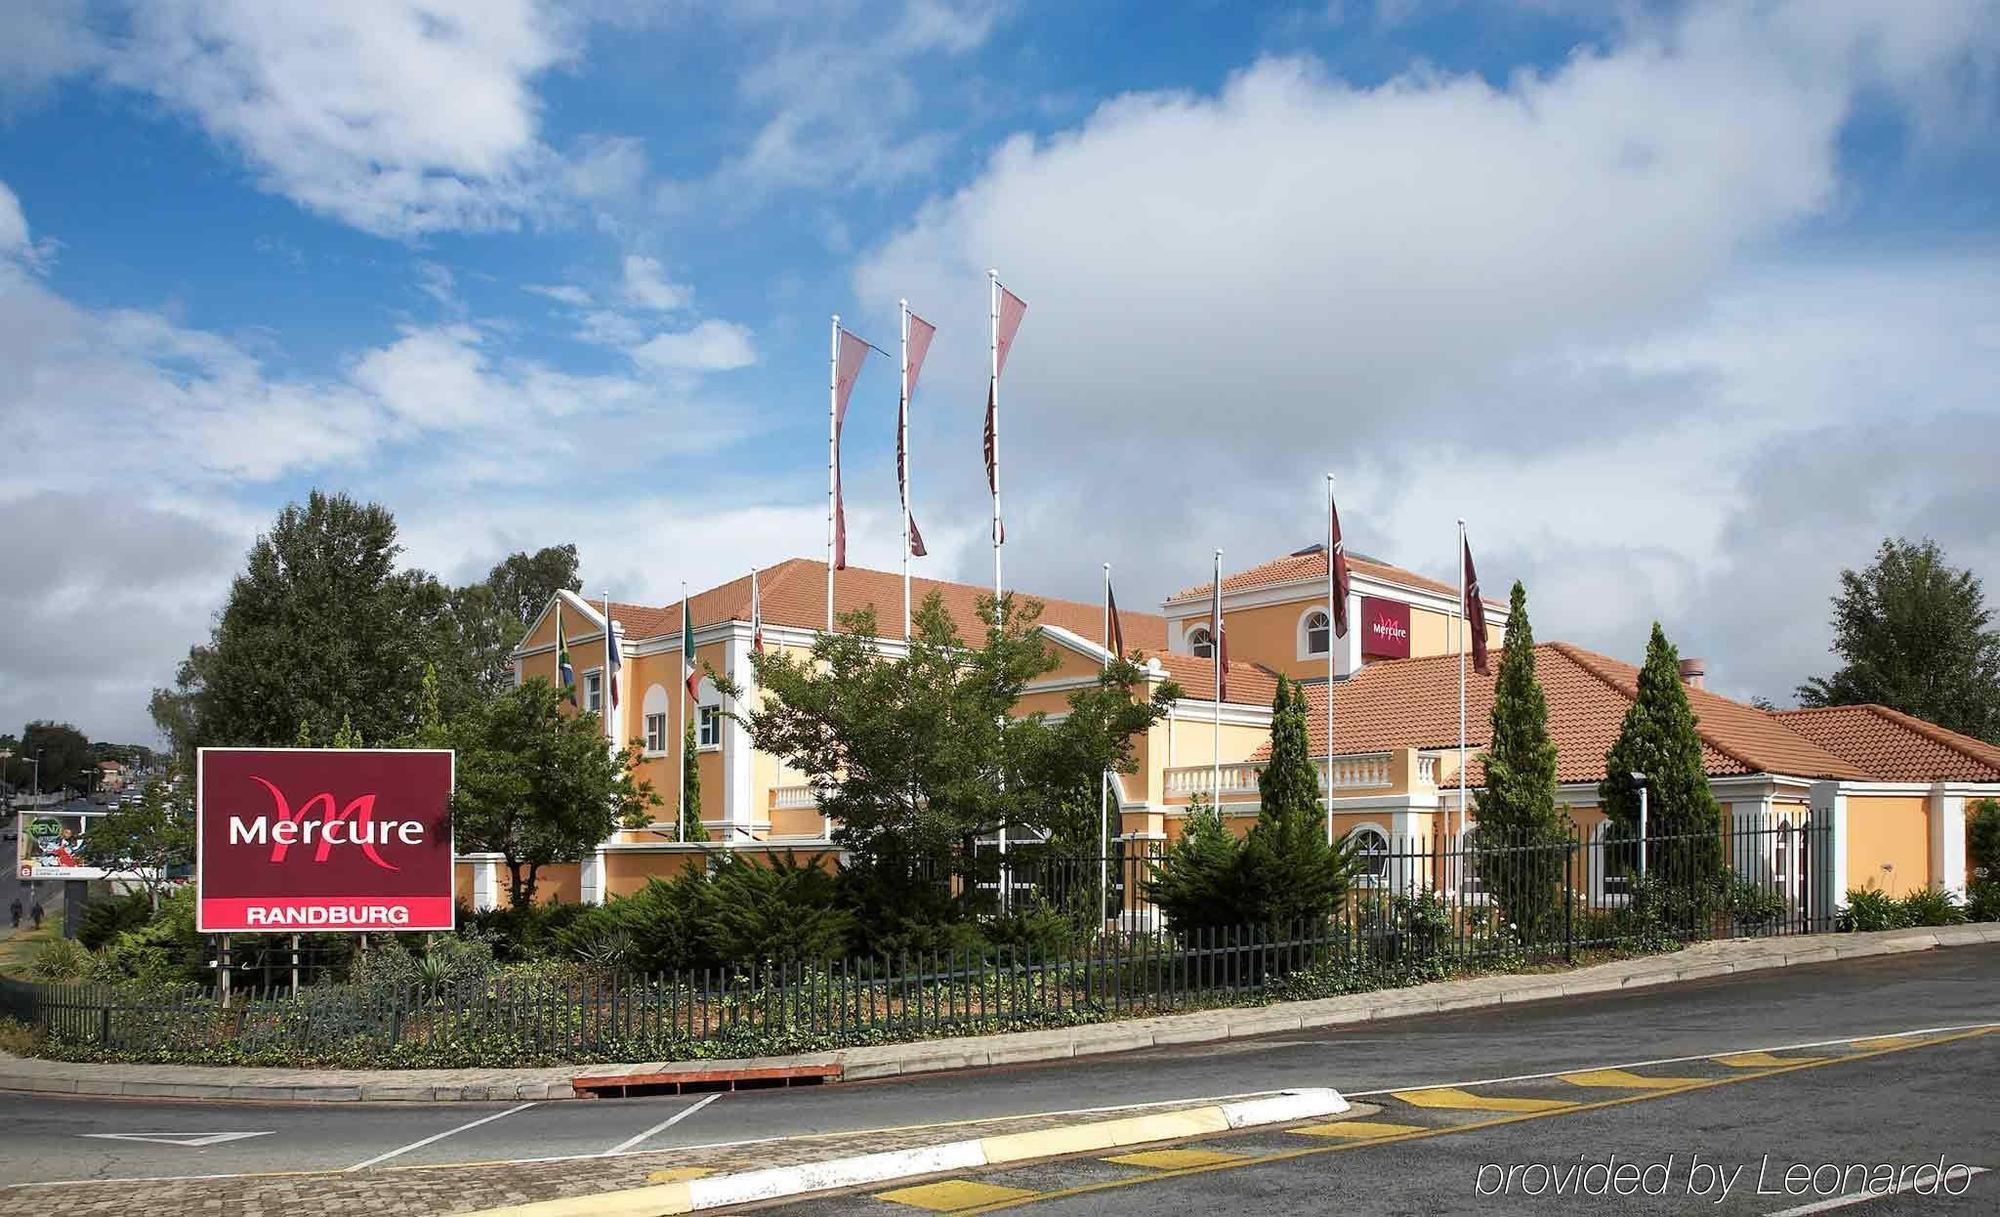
(65, 755)
(691, 828)
(1295, 875)
(1659, 739)
(1519, 824)
(538, 785)
(151, 840)
(321, 628)
(1982, 839)
(490, 616)
(1913, 633)
(919, 755)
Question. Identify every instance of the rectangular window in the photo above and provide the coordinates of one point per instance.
(709, 728)
(593, 690)
(656, 733)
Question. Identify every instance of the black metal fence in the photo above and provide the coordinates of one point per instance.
(1419, 908)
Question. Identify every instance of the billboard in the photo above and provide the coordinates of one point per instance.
(1385, 628)
(52, 845)
(293, 840)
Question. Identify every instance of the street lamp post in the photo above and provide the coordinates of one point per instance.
(1640, 780)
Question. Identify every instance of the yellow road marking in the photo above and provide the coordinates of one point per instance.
(1175, 1159)
(1419, 1134)
(1625, 1079)
(949, 1195)
(1359, 1129)
(1454, 1099)
(1764, 1060)
(678, 1174)
(1885, 1041)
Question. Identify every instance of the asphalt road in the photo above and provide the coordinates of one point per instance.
(48, 1138)
(1792, 1143)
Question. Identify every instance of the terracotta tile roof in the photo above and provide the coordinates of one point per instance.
(1249, 684)
(1413, 703)
(1895, 746)
(1311, 564)
(794, 594)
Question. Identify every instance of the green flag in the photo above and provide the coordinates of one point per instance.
(692, 672)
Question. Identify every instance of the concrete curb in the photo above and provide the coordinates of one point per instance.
(1698, 962)
(781, 1182)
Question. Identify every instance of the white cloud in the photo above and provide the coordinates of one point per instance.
(712, 346)
(561, 293)
(13, 224)
(1557, 306)
(647, 285)
(46, 41)
(397, 117)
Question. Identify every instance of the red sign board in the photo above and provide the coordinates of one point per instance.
(1385, 628)
(295, 840)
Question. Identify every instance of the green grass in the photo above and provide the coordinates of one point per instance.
(16, 951)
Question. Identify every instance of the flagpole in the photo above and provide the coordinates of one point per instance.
(1215, 712)
(1460, 825)
(681, 731)
(832, 455)
(1104, 779)
(903, 464)
(993, 358)
(1331, 617)
(610, 675)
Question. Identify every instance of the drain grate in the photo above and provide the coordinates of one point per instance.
(703, 1081)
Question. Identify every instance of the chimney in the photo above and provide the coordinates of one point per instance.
(1694, 672)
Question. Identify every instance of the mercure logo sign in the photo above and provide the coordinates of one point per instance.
(308, 839)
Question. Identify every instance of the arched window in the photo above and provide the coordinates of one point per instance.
(1201, 642)
(1371, 855)
(1319, 632)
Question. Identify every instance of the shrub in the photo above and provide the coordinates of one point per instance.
(784, 910)
(1982, 839)
(1754, 906)
(165, 950)
(104, 919)
(60, 960)
(449, 960)
(1039, 928)
(16, 1038)
(1932, 906)
(1200, 884)
(1982, 900)
(1870, 908)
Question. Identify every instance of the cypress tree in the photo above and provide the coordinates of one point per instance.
(1294, 878)
(691, 828)
(1516, 807)
(1659, 739)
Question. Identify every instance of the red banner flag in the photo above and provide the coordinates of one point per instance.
(919, 345)
(1012, 309)
(853, 352)
(921, 333)
(992, 424)
(1116, 643)
(1336, 554)
(1475, 614)
(756, 615)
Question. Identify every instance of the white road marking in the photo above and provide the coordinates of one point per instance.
(1840, 1202)
(662, 1126)
(186, 1140)
(449, 1132)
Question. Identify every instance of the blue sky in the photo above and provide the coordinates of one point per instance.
(1682, 306)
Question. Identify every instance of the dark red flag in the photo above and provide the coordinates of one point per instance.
(853, 352)
(1336, 555)
(916, 540)
(1475, 614)
(1218, 642)
(921, 333)
(1115, 643)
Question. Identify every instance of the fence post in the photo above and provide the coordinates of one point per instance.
(1569, 896)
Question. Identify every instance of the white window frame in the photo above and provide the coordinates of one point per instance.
(1306, 650)
(656, 745)
(1206, 641)
(708, 728)
(593, 690)
(1370, 878)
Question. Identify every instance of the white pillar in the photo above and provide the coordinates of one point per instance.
(1947, 821)
(1829, 807)
(737, 757)
(1405, 850)
(590, 878)
(485, 884)
(1349, 648)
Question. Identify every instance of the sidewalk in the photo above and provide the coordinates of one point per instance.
(927, 1056)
